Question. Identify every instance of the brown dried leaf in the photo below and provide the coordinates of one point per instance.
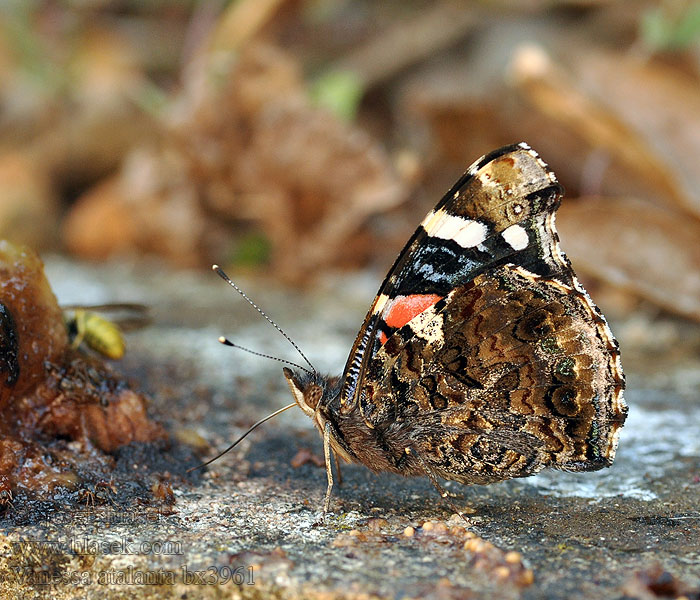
(637, 246)
(408, 41)
(259, 150)
(241, 21)
(662, 105)
(598, 124)
(304, 456)
(28, 207)
(244, 146)
(77, 123)
(147, 208)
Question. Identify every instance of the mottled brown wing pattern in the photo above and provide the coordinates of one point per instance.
(511, 373)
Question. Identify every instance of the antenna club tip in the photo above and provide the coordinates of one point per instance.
(215, 267)
(222, 339)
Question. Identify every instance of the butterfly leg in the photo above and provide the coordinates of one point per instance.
(329, 469)
(443, 493)
(337, 468)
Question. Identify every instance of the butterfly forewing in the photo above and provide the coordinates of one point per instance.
(499, 209)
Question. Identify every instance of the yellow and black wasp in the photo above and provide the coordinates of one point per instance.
(86, 325)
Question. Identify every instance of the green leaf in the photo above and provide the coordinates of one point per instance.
(338, 91)
(253, 249)
(661, 31)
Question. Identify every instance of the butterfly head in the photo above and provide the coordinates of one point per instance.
(306, 389)
(312, 392)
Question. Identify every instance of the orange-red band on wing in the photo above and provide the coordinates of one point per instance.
(403, 308)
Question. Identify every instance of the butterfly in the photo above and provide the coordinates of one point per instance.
(482, 358)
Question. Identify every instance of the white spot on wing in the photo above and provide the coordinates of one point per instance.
(465, 232)
(516, 237)
(472, 234)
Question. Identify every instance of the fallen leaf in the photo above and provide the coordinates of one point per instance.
(634, 245)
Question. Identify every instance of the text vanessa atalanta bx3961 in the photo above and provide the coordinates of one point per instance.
(482, 358)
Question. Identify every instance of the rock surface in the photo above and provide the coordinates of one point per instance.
(248, 527)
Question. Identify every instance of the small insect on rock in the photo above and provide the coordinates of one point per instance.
(87, 326)
(482, 358)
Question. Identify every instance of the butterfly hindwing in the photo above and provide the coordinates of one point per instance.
(522, 376)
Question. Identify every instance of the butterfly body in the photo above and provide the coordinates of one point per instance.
(482, 358)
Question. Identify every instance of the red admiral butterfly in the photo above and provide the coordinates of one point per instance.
(482, 357)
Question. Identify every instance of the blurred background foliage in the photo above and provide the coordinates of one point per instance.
(294, 137)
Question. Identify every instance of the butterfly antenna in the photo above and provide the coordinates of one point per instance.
(220, 272)
(227, 342)
(240, 439)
